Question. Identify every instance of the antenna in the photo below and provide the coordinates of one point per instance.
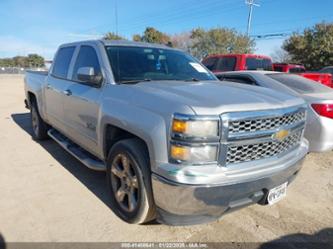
(251, 3)
(116, 14)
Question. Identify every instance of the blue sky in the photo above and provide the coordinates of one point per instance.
(39, 26)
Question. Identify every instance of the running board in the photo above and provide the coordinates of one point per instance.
(80, 154)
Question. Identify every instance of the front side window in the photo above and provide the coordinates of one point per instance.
(210, 63)
(87, 57)
(259, 64)
(62, 62)
(130, 64)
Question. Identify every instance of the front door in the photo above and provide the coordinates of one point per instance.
(82, 102)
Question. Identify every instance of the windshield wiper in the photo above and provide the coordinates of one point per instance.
(192, 79)
(133, 81)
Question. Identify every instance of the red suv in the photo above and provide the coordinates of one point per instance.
(237, 62)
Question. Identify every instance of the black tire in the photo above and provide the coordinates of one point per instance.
(39, 127)
(137, 180)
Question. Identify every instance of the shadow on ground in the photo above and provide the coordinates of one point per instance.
(320, 240)
(93, 180)
(2, 242)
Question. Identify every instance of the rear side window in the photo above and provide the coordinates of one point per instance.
(62, 61)
(259, 64)
(210, 63)
(226, 64)
(87, 58)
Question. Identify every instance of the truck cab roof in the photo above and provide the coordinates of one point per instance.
(119, 43)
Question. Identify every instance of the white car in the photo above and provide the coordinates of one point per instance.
(319, 127)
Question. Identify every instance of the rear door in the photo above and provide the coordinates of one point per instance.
(81, 105)
(57, 82)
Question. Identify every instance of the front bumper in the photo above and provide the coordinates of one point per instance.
(184, 204)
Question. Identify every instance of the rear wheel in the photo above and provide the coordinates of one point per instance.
(39, 127)
(129, 181)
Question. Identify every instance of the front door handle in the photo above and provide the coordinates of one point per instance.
(67, 92)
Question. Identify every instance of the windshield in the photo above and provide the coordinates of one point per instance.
(131, 64)
(259, 64)
(299, 83)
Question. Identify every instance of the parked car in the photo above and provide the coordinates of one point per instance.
(318, 130)
(237, 62)
(289, 68)
(323, 78)
(327, 70)
(176, 145)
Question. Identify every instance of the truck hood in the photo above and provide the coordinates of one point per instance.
(214, 97)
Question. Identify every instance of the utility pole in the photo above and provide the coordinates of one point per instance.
(251, 3)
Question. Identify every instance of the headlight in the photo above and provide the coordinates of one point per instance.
(200, 128)
(197, 154)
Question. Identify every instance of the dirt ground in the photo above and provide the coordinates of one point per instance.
(48, 196)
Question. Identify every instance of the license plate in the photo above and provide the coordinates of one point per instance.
(277, 193)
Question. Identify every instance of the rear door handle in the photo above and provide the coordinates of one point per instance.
(48, 86)
(67, 92)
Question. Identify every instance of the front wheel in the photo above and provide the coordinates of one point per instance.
(129, 181)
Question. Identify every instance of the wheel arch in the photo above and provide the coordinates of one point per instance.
(114, 134)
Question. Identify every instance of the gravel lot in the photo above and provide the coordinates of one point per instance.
(46, 195)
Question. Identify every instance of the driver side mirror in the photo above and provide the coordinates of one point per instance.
(87, 74)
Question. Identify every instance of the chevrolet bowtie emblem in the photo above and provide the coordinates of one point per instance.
(280, 135)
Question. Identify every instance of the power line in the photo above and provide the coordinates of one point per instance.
(174, 14)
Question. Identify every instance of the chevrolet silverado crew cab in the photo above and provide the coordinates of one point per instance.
(176, 144)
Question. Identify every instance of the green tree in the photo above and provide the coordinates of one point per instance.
(153, 35)
(113, 36)
(20, 61)
(32, 60)
(35, 60)
(219, 40)
(137, 38)
(313, 47)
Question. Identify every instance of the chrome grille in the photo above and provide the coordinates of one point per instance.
(262, 124)
(256, 151)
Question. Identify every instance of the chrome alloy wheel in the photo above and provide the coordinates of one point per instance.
(124, 183)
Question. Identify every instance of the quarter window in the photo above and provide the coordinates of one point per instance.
(61, 64)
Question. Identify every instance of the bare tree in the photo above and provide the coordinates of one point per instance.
(280, 55)
(182, 41)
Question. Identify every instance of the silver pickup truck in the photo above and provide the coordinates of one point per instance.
(176, 145)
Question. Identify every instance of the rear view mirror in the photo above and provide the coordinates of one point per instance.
(87, 74)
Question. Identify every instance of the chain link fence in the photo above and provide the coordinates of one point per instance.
(18, 70)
